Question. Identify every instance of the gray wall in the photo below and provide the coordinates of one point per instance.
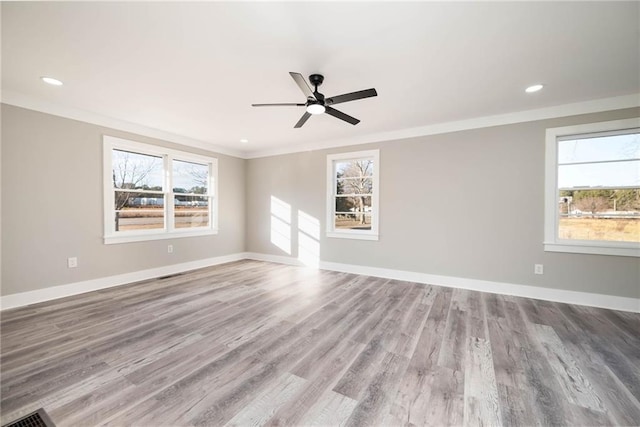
(52, 206)
(437, 214)
(465, 204)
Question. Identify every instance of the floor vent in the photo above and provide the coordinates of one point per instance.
(35, 419)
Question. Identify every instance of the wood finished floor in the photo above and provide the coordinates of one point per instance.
(253, 343)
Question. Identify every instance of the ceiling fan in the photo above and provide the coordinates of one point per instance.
(317, 103)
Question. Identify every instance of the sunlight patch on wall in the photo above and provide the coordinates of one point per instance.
(308, 239)
(281, 224)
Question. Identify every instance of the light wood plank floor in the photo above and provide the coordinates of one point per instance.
(253, 343)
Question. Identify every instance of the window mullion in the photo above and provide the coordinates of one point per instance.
(595, 162)
(211, 193)
(169, 204)
(135, 190)
(334, 192)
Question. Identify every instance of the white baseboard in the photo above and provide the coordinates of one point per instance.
(277, 259)
(61, 291)
(536, 292)
(549, 294)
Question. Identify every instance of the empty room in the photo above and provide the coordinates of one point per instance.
(320, 213)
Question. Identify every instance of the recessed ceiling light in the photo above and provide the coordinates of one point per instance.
(244, 140)
(51, 81)
(534, 88)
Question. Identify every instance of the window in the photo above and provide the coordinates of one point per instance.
(154, 193)
(592, 194)
(352, 195)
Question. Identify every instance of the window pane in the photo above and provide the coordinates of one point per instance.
(344, 204)
(191, 211)
(604, 215)
(136, 171)
(354, 185)
(355, 221)
(618, 174)
(190, 177)
(354, 168)
(353, 204)
(137, 200)
(617, 147)
(138, 211)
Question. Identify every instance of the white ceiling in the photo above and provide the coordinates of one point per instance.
(193, 69)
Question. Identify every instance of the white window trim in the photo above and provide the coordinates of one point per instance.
(552, 243)
(331, 205)
(169, 232)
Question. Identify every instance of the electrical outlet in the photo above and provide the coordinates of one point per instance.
(538, 269)
(170, 249)
(72, 262)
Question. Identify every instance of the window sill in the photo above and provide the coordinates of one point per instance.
(593, 249)
(352, 235)
(128, 238)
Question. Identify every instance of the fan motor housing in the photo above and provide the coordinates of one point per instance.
(316, 79)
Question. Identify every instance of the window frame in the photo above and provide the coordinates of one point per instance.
(169, 231)
(332, 159)
(552, 243)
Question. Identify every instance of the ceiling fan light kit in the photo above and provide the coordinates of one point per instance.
(316, 108)
(316, 101)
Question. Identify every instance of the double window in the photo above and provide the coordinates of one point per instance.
(352, 195)
(155, 193)
(592, 196)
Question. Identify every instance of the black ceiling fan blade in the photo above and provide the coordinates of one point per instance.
(302, 84)
(368, 93)
(303, 119)
(290, 104)
(342, 116)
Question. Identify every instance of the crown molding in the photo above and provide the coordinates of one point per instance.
(593, 106)
(31, 103)
(565, 110)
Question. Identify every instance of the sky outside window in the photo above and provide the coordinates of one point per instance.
(596, 149)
